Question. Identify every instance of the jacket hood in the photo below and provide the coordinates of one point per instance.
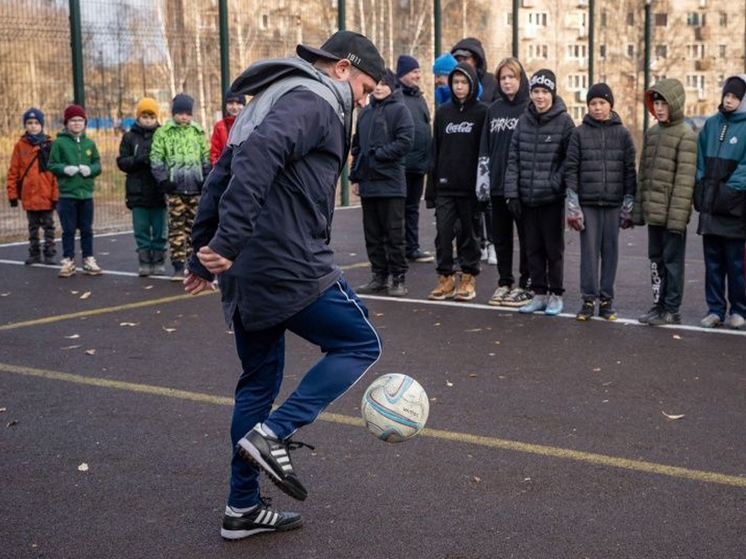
(171, 124)
(523, 91)
(557, 107)
(396, 96)
(471, 73)
(742, 107)
(263, 73)
(614, 120)
(474, 46)
(672, 90)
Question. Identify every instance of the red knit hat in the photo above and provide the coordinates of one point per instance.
(72, 111)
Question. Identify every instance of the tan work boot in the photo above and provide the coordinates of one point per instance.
(467, 289)
(445, 289)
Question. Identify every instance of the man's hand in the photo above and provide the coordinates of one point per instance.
(211, 260)
(193, 284)
(356, 188)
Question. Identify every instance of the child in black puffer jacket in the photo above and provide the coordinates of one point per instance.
(143, 196)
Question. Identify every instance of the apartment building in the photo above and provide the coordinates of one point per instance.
(700, 42)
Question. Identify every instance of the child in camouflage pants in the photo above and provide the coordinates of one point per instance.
(180, 161)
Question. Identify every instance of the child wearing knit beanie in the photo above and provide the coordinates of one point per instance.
(30, 181)
(180, 161)
(75, 161)
(142, 195)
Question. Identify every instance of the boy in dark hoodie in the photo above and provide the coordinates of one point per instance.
(383, 138)
(665, 185)
(720, 198)
(494, 148)
(143, 197)
(471, 51)
(601, 181)
(535, 189)
(451, 184)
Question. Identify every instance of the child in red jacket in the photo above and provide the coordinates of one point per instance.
(30, 182)
(233, 104)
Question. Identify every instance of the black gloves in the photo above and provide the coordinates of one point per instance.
(14, 203)
(514, 205)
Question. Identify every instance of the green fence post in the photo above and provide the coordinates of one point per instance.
(225, 66)
(591, 40)
(645, 85)
(76, 47)
(345, 183)
(516, 9)
(437, 29)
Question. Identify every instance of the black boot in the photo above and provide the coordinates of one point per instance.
(145, 264)
(158, 262)
(34, 257)
(398, 289)
(377, 285)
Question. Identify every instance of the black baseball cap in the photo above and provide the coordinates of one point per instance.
(356, 48)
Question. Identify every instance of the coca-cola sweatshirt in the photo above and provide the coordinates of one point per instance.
(457, 131)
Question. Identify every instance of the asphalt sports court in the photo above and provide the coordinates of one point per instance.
(547, 438)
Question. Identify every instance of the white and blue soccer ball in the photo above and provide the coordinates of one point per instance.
(395, 408)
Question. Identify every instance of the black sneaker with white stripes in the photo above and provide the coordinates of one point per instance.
(272, 455)
(260, 519)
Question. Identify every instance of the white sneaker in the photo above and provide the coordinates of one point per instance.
(90, 267)
(491, 254)
(735, 322)
(67, 268)
(499, 295)
(484, 255)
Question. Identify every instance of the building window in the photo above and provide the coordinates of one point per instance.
(661, 51)
(661, 20)
(695, 19)
(577, 51)
(602, 51)
(630, 18)
(603, 19)
(577, 112)
(658, 77)
(537, 18)
(630, 50)
(695, 51)
(576, 82)
(723, 19)
(721, 80)
(723, 50)
(264, 21)
(538, 51)
(695, 81)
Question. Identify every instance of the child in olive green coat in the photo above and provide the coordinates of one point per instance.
(75, 161)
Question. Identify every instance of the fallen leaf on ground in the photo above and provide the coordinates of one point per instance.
(148, 287)
(11, 423)
(83, 467)
(90, 352)
(596, 369)
(129, 324)
(3, 410)
(85, 295)
(476, 479)
(4, 294)
(473, 375)
(474, 330)
(676, 337)
(449, 383)
(71, 347)
(73, 336)
(669, 416)
(75, 292)
(169, 330)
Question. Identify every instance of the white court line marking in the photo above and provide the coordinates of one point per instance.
(59, 239)
(623, 321)
(104, 272)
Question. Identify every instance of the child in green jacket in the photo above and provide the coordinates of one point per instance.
(180, 162)
(75, 161)
(663, 201)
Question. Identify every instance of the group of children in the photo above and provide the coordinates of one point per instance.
(523, 157)
(165, 167)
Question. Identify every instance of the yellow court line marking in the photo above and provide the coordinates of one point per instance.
(489, 442)
(126, 306)
(102, 310)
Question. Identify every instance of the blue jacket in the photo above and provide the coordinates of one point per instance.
(383, 137)
(268, 202)
(720, 191)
